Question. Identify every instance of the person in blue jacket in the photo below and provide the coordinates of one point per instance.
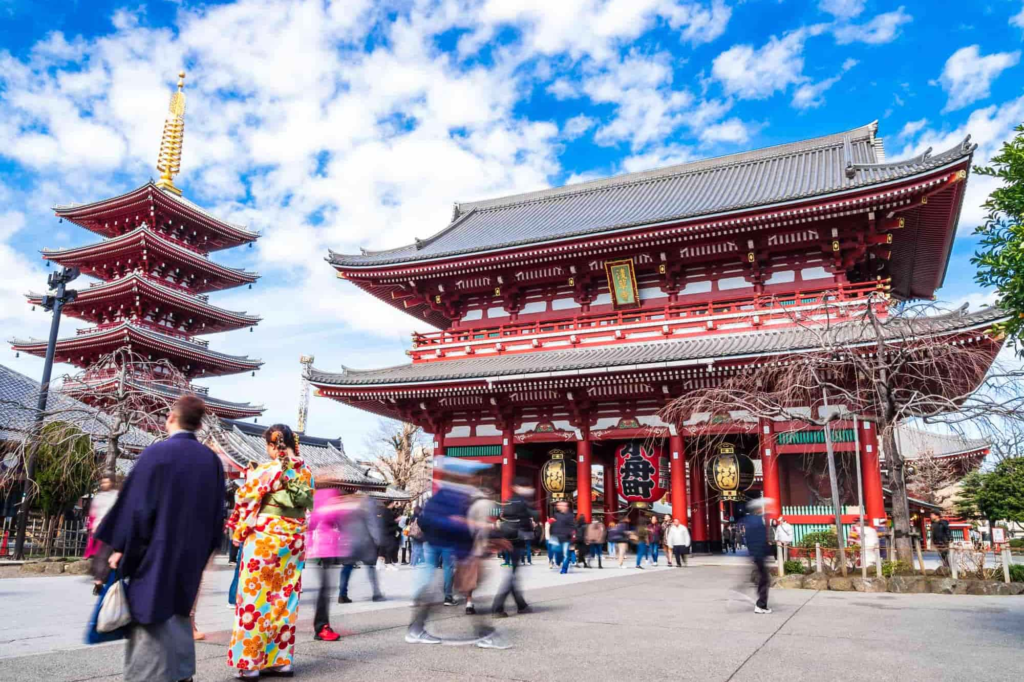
(757, 546)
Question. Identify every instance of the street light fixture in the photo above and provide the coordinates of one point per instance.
(54, 302)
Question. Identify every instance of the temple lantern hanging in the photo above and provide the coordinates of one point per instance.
(557, 477)
(642, 472)
(730, 473)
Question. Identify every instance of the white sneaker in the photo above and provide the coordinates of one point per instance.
(422, 637)
(494, 642)
(758, 609)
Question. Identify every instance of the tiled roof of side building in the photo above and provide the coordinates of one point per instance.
(18, 397)
(325, 457)
(914, 443)
(694, 350)
(821, 166)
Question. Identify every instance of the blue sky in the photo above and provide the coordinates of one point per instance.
(358, 123)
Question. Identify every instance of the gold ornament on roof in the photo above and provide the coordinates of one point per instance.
(169, 162)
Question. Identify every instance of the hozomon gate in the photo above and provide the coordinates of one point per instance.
(568, 318)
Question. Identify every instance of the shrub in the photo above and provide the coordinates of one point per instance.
(891, 568)
(826, 538)
(1016, 573)
(1017, 543)
(797, 566)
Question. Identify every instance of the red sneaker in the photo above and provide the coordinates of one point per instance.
(326, 634)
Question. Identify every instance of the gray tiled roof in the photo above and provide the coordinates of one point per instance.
(914, 443)
(844, 161)
(325, 458)
(629, 355)
(18, 396)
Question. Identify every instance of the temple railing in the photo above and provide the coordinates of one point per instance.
(841, 301)
(160, 329)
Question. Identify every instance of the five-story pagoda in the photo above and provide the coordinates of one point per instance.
(155, 274)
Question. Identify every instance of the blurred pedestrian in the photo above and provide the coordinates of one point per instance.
(415, 537)
(325, 523)
(517, 517)
(362, 534)
(550, 542)
(596, 535)
(387, 548)
(655, 542)
(941, 537)
(161, 550)
(481, 526)
(619, 534)
(563, 530)
(666, 525)
(757, 546)
(643, 536)
(679, 537)
(270, 522)
(446, 530)
(784, 536)
(728, 539)
(582, 552)
(97, 550)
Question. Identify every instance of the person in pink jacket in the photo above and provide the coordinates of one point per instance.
(325, 524)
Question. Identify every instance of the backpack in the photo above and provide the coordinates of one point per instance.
(414, 530)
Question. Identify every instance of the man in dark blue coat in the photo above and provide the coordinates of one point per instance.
(163, 528)
(757, 545)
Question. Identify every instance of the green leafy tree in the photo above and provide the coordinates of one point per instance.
(1001, 497)
(65, 470)
(65, 466)
(997, 495)
(1000, 259)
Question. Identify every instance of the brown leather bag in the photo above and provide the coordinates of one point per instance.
(467, 574)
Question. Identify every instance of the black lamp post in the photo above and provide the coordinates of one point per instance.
(51, 302)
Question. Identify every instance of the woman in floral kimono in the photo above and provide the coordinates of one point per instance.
(269, 523)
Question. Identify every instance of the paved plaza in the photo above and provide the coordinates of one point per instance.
(664, 624)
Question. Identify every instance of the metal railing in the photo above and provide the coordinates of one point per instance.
(68, 539)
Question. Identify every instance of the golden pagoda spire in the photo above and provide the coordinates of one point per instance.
(169, 162)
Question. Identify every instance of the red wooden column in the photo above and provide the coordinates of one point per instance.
(770, 469)
(508, 462)
(583, 461)
(439, 442)
(699, 517)
(871, 471)
(611, 492)
(678, 469)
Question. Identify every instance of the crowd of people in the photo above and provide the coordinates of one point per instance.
(168, 520)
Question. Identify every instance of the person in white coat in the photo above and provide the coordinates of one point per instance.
(784, 536)
(679, 539)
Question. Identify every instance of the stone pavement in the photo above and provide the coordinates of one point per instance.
(678, 624)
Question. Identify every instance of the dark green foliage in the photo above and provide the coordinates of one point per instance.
(826, 538)
(1000, 258)
(65, 467)
(997, 495)
(793, 566)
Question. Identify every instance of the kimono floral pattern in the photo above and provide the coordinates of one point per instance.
(270, 578)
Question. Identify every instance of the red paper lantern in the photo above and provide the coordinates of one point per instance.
(642, 472)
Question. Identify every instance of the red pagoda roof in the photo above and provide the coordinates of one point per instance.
(193, 358)
(99, 303)
(152, 205)
(129, 251)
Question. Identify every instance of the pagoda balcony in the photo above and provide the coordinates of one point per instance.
(843, 301)
(160, 329)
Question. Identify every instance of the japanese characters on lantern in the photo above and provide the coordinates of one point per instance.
(642, 471)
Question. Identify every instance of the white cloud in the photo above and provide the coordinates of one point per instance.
(577, 125)
(750, 73)
(698, 23)
(1018, 19)
(732, 131)
(910, 129)
(670, 155)
(842, 9)
(967, 76)
(812, 95)
(884, 28)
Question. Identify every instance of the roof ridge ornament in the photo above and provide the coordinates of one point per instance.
(169, 161)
